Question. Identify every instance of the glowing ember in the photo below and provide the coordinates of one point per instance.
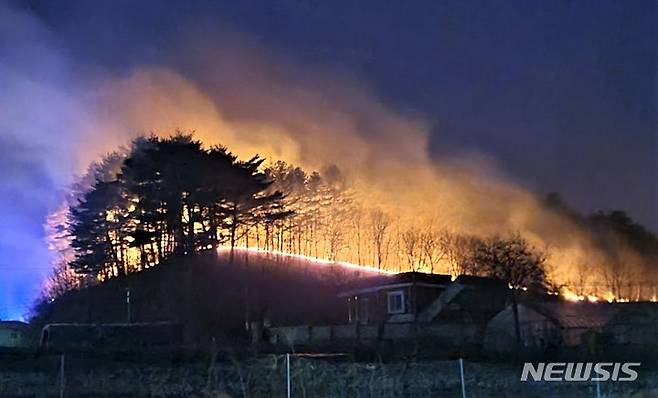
(571, 296)
(609, 297)
(592, 298)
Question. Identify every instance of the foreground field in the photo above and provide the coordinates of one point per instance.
(40, 376)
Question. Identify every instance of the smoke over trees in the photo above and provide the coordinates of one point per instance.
(173, 196)
(624, 254)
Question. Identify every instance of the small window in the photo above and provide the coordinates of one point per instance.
(396, 302)
(353, 309)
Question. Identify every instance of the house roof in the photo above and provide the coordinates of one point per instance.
(636, 313)
(480, 281)
(384, 281)
(577, 315)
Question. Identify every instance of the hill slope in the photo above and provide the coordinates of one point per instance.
(211, 297)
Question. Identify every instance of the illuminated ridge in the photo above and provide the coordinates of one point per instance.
(316, 260)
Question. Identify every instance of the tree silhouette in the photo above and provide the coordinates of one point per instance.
(172, 196)
(515, 262)
(96, 231)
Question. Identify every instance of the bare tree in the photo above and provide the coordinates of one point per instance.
(582, 276)
(432, 253)
(335, 238)
(458, 251)
(615, 276)
(379, 225)
(62, 279)
(515, 262)
(411, 239)
(356, 221)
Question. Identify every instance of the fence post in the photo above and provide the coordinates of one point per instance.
(461, 374)
(62, 379)
(598, 388)
(128, 309)
(288, 375)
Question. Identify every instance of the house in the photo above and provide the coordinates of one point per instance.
(468, 300)
(13, 334)
(547, 325)
(395, 298)
(409, 308)
(423, 298)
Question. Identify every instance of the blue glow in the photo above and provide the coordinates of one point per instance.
(37, 115)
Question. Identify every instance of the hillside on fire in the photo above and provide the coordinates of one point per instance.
(165, 198)
(169, 230)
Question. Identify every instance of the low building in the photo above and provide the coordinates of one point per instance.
(398, 298)
(547, 325)
(411, 308)
(13, 334)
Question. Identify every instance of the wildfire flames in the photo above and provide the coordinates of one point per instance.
(566, 293)
(609, 297)
(401, 202)
(335, 223)
(311, 260)
(59, 242)
(386, 202)
(570, 295)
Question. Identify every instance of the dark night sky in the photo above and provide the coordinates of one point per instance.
(562, 94)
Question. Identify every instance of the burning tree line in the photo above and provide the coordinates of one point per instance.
(173, 196)
(170, 196)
